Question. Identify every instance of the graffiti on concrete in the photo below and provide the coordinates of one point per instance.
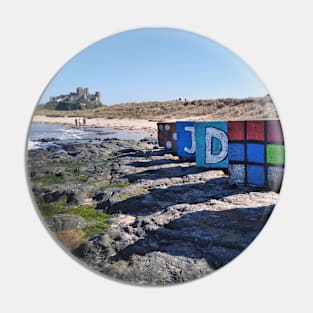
(253, 151)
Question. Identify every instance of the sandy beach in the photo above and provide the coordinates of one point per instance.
(132, 125)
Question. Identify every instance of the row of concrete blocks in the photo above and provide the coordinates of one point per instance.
(253, 151)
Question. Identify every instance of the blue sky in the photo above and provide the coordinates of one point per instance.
(156, 64)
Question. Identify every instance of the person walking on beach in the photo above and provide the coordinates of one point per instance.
(75, 121)
(84, 121)
(79, 121)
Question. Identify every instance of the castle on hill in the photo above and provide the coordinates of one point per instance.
(79, 100)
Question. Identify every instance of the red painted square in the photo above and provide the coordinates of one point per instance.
(255, 130)
(274, 132)
(235, 130)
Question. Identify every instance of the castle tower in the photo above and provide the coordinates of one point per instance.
(79, 91)
(97, 96)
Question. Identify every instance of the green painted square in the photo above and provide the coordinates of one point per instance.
(275, 154)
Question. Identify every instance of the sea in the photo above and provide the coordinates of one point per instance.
(42, 135)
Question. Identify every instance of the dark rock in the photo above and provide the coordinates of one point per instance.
(130, 250)
(85, 251)
(220, 256)
(72, 198)
(128, 150)
(73, 153)
(60, 151)
(59, 173)
(32, 173)
(53, 196)
(104, 206)
(53, 147)
(100, 196)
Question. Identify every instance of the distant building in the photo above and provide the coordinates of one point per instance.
(81, 94)
(78, 100)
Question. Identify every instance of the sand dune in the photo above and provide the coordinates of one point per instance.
(138, 117)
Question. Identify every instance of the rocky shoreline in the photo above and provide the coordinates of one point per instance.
(134, 213)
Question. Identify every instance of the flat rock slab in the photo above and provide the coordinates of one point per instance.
(65, 222)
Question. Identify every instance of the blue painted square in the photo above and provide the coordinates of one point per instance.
(236, 152)
(186, 139)
(211, 144)
(255, 175)
(255, 153)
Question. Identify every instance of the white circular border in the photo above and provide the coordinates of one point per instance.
(272, 272)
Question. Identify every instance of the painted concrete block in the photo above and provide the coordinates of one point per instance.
(211, 144)
(274, 132)
(275, 154)
(161, 134)
(253, 151)
(255, 130)
(236, 131)
(186, 139)
(274, 177)
(167, 136)
(236, 151)
(256, 175)
(237, 174)
(256, 153)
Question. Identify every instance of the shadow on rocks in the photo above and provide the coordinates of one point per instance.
(139, 153)
(216, 236)
(167, 172)
(154, 162)
(160, 198)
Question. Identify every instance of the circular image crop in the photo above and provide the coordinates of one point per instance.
(155, 156)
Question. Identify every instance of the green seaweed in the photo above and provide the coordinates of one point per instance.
(118, 185)
(71, 165)
(93, 230)
(125, 196)
(82, 178)
(48, 180)
(96, 219)
(107, 156)
(49, 209)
